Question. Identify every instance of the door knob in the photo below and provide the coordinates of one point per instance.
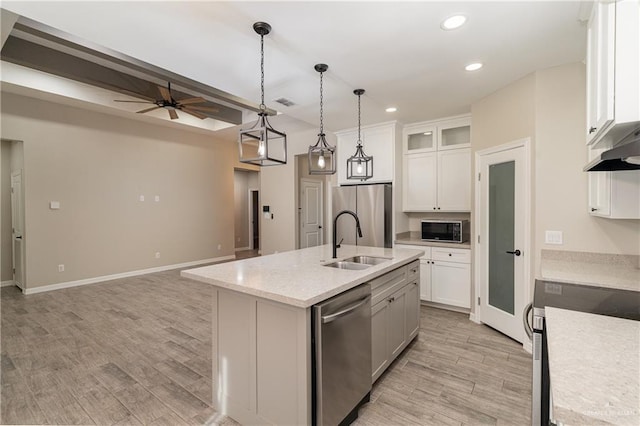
(516, 252)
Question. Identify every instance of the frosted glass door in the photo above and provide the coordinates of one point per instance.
(501, 236)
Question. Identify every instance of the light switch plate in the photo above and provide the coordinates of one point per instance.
(54, 205)
(141, 198)
(553, 237)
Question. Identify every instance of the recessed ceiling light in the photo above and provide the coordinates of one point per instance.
(391, 109)
(453, 22)
(474, 66)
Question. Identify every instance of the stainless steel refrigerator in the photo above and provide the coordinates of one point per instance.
(373, 205)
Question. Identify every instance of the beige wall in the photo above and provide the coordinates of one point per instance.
(278, 186)
(561, 195)
(5, 212)
(97, 166)
(243, 180)
(549, 107)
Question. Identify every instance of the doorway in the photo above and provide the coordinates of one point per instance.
(254, 220)
(311, 217)
(503, 220)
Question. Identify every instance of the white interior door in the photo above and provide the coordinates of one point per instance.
(311, 217)
(17, 228)
(503, 252)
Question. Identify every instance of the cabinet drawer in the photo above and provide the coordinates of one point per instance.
(383, 286)
(451, 255)
(413, 270)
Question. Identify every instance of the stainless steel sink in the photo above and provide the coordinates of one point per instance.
(367, 260)
(348, 265)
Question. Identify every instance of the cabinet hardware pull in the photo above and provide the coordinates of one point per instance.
(438, 208)
(592, 129)
(391, 299)
(593, 209)
(449, 254)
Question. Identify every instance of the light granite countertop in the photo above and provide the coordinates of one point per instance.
(597, 269)
(298, 278)
(594, 366)
(413, 238)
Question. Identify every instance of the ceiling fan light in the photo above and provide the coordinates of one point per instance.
(262, 145)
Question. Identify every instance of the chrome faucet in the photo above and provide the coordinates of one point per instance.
(335, 230)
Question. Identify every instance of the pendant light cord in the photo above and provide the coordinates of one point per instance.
(321, 105)
(359, 139)
(263, 107)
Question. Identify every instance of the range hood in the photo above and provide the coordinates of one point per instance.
(623, 157)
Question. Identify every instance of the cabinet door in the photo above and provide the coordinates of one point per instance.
(454, 180)
(599, 189)
(377, 142)
(419, 183)
(397, 322)
(454, 134)
(412, 314)
(379, 339)
(451, 283)
(600, 68)
(419, 139)
(425, 280)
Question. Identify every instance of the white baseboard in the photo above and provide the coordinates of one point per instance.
(472, 317)
(243, 248)
(7, 283)
(103, 278)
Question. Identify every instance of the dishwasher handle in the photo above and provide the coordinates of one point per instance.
(525, 320)
(348, 309)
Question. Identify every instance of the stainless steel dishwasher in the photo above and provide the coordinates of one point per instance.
(342, 356)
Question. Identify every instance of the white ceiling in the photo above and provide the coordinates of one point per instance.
(396, 51)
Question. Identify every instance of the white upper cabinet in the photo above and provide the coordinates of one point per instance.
(614, 195)
(437, 166)
(613, 72)
(378, 141)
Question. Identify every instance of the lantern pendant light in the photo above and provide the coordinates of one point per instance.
(359, 165)
(261, 144)
(322, 156)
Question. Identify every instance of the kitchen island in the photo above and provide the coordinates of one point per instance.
(262, 350)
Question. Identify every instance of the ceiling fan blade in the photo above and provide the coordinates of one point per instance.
(148, 109)
(166, 94)
(202, 108)
(194, 113)
(135, 102)
(192, 101)
(173, 114)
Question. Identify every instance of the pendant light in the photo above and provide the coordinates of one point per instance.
(322, 156)
(359, 165)
(261, 144)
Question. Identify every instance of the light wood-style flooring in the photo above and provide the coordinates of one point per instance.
(138, 351)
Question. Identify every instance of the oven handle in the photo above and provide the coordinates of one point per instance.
(525, 320)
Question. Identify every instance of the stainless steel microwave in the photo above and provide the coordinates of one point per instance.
(445, 231)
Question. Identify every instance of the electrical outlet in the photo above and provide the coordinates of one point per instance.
(157, 255)
(219, 246)
(553, 237)
(61, 268)
(141, 198)
(157, 198)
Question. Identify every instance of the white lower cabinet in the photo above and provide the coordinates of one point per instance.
(395, 315)
(445, 275)
(451, 283)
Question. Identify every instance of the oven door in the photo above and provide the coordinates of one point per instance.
(540, 380)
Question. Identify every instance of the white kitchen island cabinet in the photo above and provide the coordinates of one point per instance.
(262, 334)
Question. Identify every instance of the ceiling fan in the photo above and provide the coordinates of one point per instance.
(171, 105)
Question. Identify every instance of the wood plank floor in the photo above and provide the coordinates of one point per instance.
(138, 351)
